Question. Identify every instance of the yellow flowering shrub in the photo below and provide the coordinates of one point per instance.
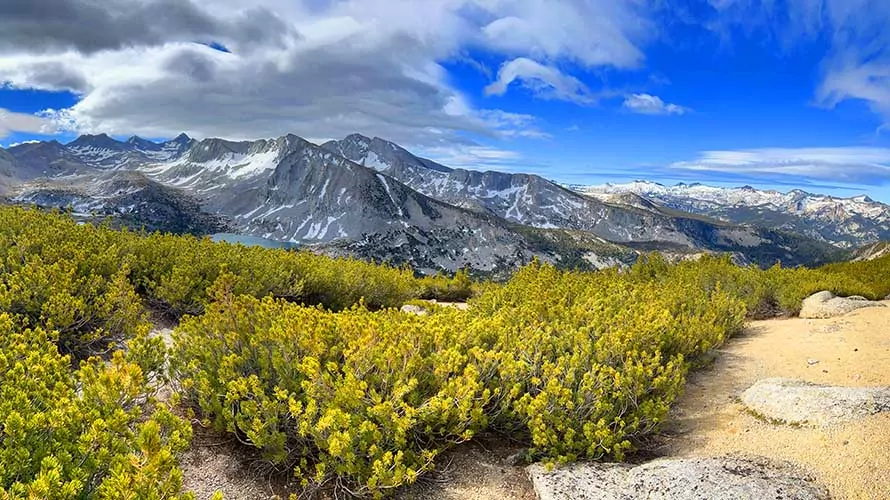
(83, 278)
(94, 432)
(347, 391)
(365, 398)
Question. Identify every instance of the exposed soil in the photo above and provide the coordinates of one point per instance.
(476, 470)
(852, 459)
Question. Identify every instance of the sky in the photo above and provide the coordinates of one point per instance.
(775, 94)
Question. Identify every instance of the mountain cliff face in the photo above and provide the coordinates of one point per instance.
(534, 201)
(845, 222)
(366, 197)
(871, 252)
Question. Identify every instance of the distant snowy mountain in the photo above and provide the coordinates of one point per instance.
(845, 222)
(370, 198)
(533, 201)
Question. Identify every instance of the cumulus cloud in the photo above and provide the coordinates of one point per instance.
(646, 104)
(316, 68)
(846, 165)
(20, 122)
(591, 33)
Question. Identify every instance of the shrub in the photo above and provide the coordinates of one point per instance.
(56, 275)
(457, 288)
(368, 399)
(91, 433)
(82, 277)
(364, 398)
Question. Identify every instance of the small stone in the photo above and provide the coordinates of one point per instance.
(517, 459)
(812, 361)
(414, 309)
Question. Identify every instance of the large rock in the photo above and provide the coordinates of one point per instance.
(677, 479)
(826, 305)
(802, 403)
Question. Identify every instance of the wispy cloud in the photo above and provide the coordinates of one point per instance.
(474, 157)
(646, 104)
(845, 165)
(856, 65)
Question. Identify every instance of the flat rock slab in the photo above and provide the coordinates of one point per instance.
(802, 403)
(730, 478)
(826, 305)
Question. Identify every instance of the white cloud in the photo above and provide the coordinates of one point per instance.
(850, 165)
(14, 144)
(20, 122)
(475, 157)
(315, 68)
(646, 104)
(544, 81)
(589, 32)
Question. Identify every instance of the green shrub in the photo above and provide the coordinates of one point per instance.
(91, 433)
(366, 398)
(80, 276)
(370, 398)
(457, 288)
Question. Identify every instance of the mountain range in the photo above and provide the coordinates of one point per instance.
(844, 222)
(371, 198)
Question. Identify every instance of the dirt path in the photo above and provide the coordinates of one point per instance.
(852, 460)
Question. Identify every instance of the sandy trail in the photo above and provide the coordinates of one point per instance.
(853, 459)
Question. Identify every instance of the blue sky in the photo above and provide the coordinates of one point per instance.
(771, 93)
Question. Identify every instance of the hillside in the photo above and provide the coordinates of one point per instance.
(310, 367)
(871, 252)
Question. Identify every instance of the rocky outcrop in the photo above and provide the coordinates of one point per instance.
(826, 305)
(802, 403)
(677, 479)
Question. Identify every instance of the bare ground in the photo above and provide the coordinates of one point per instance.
(852, 459)
(472, 471)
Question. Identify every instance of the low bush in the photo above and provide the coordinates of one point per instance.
(366, 399)
(94, 432)
(457, 288)
(81, 277)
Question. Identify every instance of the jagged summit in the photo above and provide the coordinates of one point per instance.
(144, 144)
(102, 141)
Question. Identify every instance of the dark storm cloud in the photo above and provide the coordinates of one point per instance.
(91, 25)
